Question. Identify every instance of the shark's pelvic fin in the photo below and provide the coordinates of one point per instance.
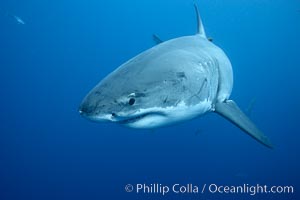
(232, 112)
(200, 28)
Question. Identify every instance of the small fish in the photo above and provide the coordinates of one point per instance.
(18, 19)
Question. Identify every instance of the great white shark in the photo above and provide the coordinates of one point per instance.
(174, 81)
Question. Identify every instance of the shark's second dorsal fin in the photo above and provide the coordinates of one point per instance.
(200, 28)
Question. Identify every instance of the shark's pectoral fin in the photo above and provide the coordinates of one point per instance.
(232, 112)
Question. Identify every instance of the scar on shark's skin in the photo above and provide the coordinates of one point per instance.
(174, 81)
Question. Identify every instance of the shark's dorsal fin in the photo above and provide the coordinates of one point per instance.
(200, 28)
(157, 39)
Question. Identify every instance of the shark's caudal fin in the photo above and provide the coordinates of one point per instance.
(231, 111)
(200, 28)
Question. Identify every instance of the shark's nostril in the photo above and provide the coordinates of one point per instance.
(86, 109)
(81, 110)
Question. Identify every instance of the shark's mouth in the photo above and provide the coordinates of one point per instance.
(142, 117)
(133, 119)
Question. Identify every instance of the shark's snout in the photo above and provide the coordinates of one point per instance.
(85, 109)
(92, 112)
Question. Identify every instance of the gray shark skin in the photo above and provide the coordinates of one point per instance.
(174, 81)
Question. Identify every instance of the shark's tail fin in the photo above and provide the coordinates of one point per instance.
(231, 111)
(200, 28)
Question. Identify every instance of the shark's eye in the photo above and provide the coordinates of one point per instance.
(131, 101)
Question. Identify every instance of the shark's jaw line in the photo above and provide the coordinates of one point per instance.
(157, 116)
(136, 118)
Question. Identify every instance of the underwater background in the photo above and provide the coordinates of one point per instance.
(53, 52)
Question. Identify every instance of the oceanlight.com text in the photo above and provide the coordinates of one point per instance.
(164, 189)
(250, 189)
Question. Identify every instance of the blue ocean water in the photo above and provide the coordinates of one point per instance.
(48, 64)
